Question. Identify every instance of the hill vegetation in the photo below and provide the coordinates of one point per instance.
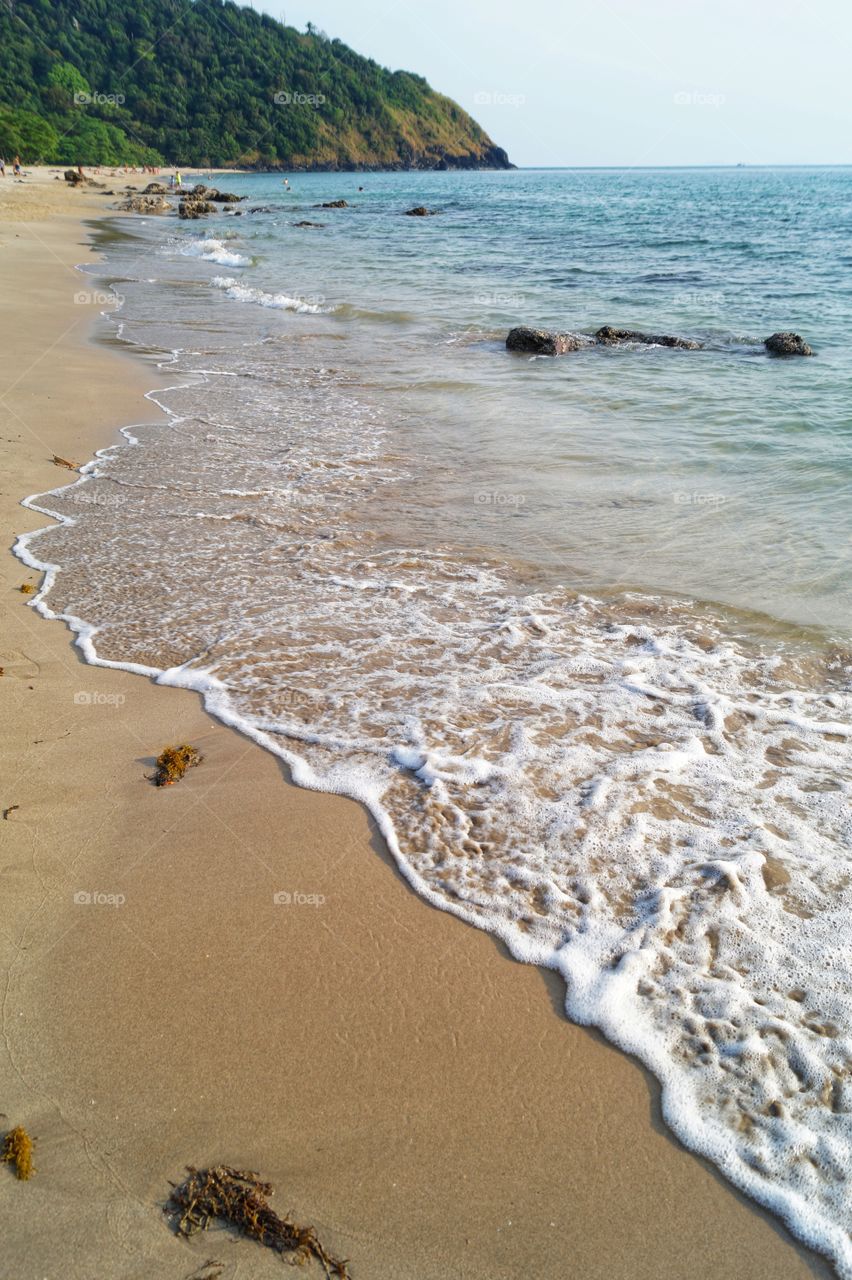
(211, 83)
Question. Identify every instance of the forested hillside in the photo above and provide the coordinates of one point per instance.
(202, 82)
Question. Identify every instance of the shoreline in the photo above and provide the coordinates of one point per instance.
(407, 1117)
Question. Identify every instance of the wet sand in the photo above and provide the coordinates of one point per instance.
(408, 1089)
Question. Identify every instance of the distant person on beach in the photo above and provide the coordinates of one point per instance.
(16, 168)
(178, 179)
(2, 167)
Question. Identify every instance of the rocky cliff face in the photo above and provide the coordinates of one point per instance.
(489, 157)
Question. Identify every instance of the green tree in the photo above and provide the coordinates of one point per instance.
(66, 77)
(25, 134)
(202, 83)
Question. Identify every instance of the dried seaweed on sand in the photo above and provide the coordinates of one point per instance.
(18, 1150)
(173, 762)
(239, 1199)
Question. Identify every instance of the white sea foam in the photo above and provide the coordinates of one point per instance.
(620, 790)
(277, 301)
(214, 251)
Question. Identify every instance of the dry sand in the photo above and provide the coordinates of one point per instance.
(408, 1089)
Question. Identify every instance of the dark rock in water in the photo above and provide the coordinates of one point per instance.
(200, 190)
(224, 197)
(333, 204)
(420, 212)
(542, 342)
(195, 208)
(72, 176)
(308, 224)
(787, 344)
(154, 189)
(609, 337)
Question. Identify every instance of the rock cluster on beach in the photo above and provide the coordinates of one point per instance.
(546, 342)
(144, 204)
(213, 194)
(195, 207)
(197, 203)
(77, 179)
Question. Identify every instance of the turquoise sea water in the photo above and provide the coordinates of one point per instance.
(722, 473)
(576, 630)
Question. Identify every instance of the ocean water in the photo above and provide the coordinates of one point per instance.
(578, 631)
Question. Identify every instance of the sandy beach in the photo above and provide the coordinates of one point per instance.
(407, 1088)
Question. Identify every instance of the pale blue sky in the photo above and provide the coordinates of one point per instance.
(580, 82)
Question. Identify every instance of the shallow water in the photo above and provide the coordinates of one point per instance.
(576, 630)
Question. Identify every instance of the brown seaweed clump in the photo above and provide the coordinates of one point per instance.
(239, 1199)
(26, 588)
(18, 1150)
(173, 762)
